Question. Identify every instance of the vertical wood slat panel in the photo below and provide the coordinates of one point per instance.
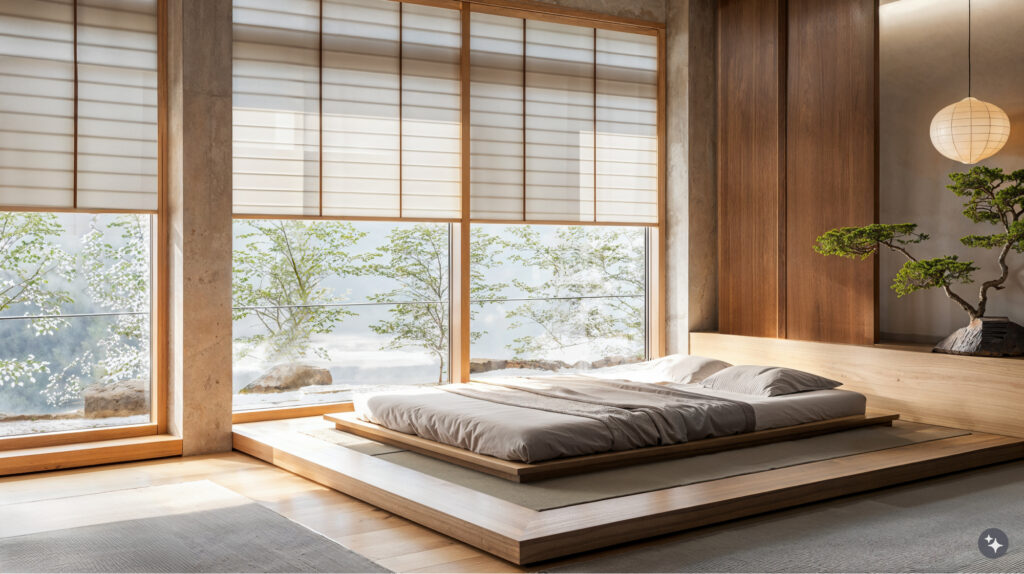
(751, 157)
(831, 167)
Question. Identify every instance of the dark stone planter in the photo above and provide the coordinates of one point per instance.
(985, 337)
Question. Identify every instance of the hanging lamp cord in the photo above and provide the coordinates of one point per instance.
(968, 48)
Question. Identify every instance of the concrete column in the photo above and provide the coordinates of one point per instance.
(692, 217)
(199, 223)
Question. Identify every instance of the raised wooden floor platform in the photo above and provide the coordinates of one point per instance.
(521, 535)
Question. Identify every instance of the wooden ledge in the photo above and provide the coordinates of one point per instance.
(529, 472)
(88, 453)
(976, 393)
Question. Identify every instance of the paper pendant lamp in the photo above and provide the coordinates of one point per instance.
(970, 130)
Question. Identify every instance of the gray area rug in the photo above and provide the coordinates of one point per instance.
(930, 526)
(245, 538)
(590, 487)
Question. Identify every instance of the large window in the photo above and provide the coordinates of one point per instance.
(321, 307)
(74, 321)
(79, 198)
(555, 298)
(384, 151)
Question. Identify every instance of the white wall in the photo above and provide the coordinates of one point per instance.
(923, 61)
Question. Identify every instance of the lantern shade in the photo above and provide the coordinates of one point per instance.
(970, 130)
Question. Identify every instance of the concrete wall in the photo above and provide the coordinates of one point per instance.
(199, 223)
(692, 203)
(923, 61)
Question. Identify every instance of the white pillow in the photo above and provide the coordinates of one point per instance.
(688, 369)
(766, 381)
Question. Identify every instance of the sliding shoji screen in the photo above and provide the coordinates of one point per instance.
(540, 92)
(347, 108)
(78, 118)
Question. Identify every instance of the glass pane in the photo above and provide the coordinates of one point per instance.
(322, 306)
(74, 321)
(558, 297)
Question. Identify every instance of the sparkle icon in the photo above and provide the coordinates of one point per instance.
(993, 543)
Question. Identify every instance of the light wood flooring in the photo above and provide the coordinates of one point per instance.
(51, 500)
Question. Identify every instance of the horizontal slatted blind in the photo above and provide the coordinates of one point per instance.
(374, 96)
(117, 104)
(627, 127)
(431, 112)
(497, 117)
(276, 117)
(559, 122)
(362, 101)
(539, 93)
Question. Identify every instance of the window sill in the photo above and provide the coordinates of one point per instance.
(88, 453)
(290, 412)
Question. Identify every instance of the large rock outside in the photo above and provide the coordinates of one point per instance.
(121, 399)
(288, 377)
(484, 365)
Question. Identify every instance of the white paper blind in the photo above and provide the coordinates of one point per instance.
(627, 127)
(361, 126)
(276, 125)
(388, 76)
(577, 82)
(559, 122)
(37, 103)
(496, 116)
(431, 112)
(117, 104)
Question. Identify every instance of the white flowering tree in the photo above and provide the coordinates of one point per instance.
(29, 258)
(280, 272)
(114, 263)
(580, 263)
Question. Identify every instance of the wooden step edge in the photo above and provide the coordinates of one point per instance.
(21, 461)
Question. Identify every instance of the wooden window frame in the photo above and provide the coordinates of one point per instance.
(158, 278)
(459, 308)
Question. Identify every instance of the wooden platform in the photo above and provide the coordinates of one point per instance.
(529, 472)
(522, 535)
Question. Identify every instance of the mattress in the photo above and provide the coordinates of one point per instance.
(518, 433)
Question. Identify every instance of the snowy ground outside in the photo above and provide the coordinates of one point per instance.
(14, 428)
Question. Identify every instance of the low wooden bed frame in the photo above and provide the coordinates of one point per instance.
(527, 472)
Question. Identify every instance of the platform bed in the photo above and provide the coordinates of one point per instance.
(527, 472)
(522, 535)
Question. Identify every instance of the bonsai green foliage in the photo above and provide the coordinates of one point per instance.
(989, 196)
(416, 259)
(280, 267)
(863, 242)
(929, 273)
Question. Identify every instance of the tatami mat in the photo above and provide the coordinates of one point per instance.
(590, 487)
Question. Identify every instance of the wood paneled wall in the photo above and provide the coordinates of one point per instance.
(751, 174)
(797, 156)
(832, 167)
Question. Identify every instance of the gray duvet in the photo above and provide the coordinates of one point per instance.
(537, 419)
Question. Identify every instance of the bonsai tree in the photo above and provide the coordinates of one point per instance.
(989, 196)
